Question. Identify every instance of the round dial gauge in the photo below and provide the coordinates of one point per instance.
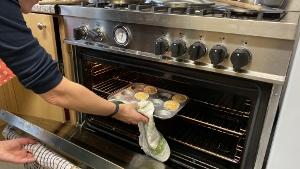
(122, 35)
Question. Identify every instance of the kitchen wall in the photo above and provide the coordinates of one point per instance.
(293, 5)
(285, 150)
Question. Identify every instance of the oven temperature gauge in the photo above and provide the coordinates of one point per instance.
(122, 35)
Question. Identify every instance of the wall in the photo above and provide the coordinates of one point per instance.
(285, 150)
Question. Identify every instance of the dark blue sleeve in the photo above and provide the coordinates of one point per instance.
(22, 53)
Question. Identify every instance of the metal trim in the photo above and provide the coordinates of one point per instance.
(58, 143)
(264, 77)
(278, 30)
(268, 124)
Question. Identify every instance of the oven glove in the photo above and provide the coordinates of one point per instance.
(151, 140)
(45, 159)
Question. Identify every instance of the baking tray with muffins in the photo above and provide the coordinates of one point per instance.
(167, 103)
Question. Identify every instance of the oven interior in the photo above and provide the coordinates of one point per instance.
(213, 130)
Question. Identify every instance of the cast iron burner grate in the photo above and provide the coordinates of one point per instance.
(219, 11)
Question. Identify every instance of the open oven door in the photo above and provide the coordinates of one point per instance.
(62, 138)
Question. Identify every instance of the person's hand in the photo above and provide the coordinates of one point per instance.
(128, 114)
(13, 151)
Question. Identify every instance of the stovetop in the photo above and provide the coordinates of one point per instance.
(203, 9)
(166, 34)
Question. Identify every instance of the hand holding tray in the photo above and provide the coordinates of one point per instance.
(167, 103)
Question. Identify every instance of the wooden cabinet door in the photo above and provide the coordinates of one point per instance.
(42, 28)
(28, 103)
(7, 97)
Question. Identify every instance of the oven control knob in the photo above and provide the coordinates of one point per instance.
(218, 54)
(80, 32)
(161, 46)
(95, 35)
(197, 50)
(240, 58)
(178, 48)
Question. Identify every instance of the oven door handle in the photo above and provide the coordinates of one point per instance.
(61, 145)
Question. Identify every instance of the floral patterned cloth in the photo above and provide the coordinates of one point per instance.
(5, 73)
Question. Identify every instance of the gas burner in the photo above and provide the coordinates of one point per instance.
(161, 9)
(97, 5)
(214, 11)
(200, 9)
(142, 7)
(240, 13)
(116, 6)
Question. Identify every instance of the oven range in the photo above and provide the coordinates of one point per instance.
(232, 63)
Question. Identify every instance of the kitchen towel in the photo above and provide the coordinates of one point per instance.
(45, 158)
(151, 140)
(5, 73)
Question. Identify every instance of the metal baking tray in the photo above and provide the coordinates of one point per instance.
(167, 103)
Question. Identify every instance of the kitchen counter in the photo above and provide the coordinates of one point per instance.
(46, 9)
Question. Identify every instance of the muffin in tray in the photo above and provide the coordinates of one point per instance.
(138, 87)
(141, 96)
(171, 105)
(150, 90)
(127, 92)
(179, 98)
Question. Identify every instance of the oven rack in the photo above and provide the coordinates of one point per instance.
(99, 69)
(105, 88)
(214, 127)
(226, 125)
(197, 138)
(242, 109)
(227, 120)
(203, 139)
(214, 117)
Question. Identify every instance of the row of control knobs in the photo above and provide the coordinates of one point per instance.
(239, 58)
(83, 32)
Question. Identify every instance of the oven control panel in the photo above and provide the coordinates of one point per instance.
(239, 58)
(84, 33)
(197, 50)
(218, 54)
(161, 46)
(251, 57)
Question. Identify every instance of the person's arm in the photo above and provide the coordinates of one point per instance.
(38, 72)
(77, 97)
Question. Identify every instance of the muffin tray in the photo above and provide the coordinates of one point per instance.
(167, 103)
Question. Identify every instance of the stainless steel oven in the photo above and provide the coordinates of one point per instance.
(218, 128)
(233, 74)
(231, 63)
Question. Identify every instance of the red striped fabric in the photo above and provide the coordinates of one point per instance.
(5, 73)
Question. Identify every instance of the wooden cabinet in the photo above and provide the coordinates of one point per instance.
(8, 97)
(42, 28)
(21, 100)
